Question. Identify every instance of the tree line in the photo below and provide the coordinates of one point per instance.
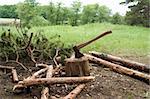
(33, 14)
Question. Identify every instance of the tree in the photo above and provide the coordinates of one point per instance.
(117, 19)
(103, 14)
(51, 13)
(94, 13)
(8, 11)
(139, 14)
(27, 11)
(75, 13)
(90, 13)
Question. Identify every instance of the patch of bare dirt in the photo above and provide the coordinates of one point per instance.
(107, 85)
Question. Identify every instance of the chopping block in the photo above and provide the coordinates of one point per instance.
(77, 67)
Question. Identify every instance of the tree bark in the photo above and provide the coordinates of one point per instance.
(118, 68)
(57, 80)
(125, 62)
(14, 75)
(75, 92)
(77, 66)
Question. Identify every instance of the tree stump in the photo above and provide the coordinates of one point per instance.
(77, 67)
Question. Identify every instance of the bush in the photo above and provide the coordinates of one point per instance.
(39, 21)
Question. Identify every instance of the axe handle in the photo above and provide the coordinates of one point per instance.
(94, 39)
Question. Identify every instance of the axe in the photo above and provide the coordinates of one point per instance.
(77, 48)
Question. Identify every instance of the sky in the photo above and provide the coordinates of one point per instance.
(111, 4)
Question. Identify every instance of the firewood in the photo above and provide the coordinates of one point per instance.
(36, 74)
(49, 73)
(75, 92)
(42, 65)
(125, 62)
(14, 75)
(118, 68)
(45, 93)
(57, 80)
(6, 67)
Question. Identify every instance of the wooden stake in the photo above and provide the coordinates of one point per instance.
(118, 68)
(75, 92)
(14, 75)
(57, 80)
(125, 62)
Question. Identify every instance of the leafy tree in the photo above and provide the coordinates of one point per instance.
(95, 13)
(27, 11)
(50, 13)
(103, 14)
(139, 14)
(8, 11)
(90, 14)
(75, 13)
(117, 19)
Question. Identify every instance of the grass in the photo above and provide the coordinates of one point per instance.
(125, 40)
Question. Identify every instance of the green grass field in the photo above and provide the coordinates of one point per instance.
(125, 40)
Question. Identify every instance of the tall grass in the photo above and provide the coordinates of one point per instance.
(125, 40)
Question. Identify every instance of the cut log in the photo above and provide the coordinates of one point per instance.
(45, 93)
(125, 62)
(14, 75)
(77, 67)
(36, 74)
(42, 65)
(75, 92)
(118, 68)
(6, 67)
(49, 73)
(58, 80)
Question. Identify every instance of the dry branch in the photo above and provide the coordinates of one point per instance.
(14, 75)
(6, 67)
(54, 58)
(42, 65)
(58, 80)
(118, 68)
(45, 91)
(12, 61)
(36, 74)
(125, 62)
(75, 92)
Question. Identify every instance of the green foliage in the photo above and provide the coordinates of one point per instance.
(26, 12)
(139, 14)
(74, 15)
(38, 21)
(95, 13)
(117, 19)
(8, 11)
(12, 45)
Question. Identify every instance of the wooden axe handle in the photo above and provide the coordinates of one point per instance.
(94, 39)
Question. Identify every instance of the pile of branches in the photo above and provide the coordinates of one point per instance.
(36, 47)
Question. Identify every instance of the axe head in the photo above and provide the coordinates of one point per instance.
(78, 54)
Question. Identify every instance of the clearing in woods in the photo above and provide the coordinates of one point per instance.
(130, 42)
